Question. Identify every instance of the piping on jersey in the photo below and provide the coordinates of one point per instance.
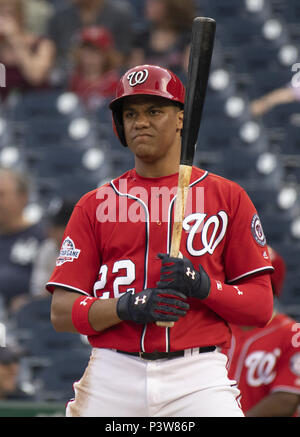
(130, 196)
(229, 281)
(69, 287)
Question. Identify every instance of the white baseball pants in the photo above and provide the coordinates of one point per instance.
(120, 385)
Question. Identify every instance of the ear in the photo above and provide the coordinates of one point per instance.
(180, 120)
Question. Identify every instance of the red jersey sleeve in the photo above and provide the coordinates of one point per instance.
(246, 251)
(78, 262)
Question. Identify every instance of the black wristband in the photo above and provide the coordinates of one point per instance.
(122, 306)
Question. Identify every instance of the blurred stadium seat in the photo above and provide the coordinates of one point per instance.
(239, 33)
(47, 132)
(249, 168)
(257, 58)
(232, 9)
(49, 103)
(279, 116)
(138, 6)
(51, 344)
(58, 161)
(261, 82)
(292, 171)
(212, 139)
(7, 133)
(55, 382)
(64, 148)
(67, 186)
(231, 134)
(290, 11)
(276, 225)
(263, 198)
(35, 313)
(44, 132)
(29, 319)
(44, 347)
(289, 250)
(291, 291)
(237, 165)
(291, 140)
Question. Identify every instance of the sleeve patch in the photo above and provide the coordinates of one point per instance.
(257, 231)
(68, 252)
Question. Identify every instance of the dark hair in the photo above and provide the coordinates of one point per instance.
(61, 214)
(180, 14)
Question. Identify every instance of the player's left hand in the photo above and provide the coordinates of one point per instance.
(180, 274)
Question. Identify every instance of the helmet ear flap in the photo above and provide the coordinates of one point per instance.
(118, 126)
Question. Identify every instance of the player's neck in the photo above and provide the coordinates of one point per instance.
(155, 170)
(156, 167)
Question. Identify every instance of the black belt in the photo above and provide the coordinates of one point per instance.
(167, 355)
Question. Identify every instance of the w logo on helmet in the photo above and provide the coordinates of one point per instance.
(138, 77)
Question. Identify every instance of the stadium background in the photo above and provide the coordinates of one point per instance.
(68, 150)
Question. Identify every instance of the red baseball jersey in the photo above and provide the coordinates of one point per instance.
(265, 360)
(113, 237)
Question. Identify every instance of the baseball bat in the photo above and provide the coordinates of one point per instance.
(201, 49)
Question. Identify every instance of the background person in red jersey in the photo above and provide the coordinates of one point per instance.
(266, 361)
(95, 67)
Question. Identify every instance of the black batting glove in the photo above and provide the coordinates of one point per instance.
(180, 274)
(152, 305)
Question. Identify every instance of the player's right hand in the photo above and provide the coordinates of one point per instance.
(152, 305)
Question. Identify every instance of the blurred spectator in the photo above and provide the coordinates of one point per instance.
(27, 58)
(167, 33)
(280, 96)
(68, 21)
(49, 249)
(95, 72)
(19, 239)
(37, 14)
(9, 375)
(265, 362)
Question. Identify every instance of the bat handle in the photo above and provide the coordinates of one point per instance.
(184, 177)
(165, 324)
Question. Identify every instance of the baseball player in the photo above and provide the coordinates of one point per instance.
(114, 278)
(266, 361)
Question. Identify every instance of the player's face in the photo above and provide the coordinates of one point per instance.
(152, 127)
